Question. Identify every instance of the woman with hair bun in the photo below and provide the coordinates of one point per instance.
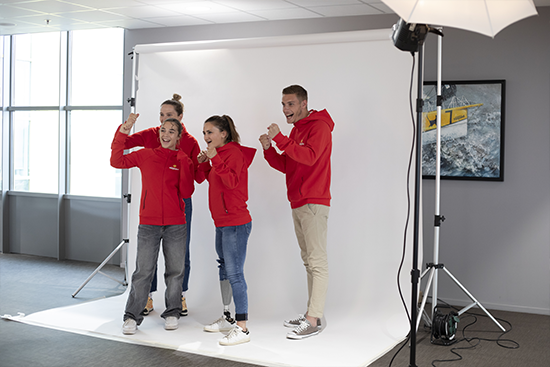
(149, 138)
(225, 164)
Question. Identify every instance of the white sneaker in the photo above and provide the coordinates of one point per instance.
(171, 323)
(236, 336)
(221, 324)
(129, 327)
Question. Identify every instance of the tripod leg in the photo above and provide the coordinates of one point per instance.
(97, 270)
(473, 299)
(425, 297)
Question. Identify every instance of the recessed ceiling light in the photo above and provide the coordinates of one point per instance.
(7, 24)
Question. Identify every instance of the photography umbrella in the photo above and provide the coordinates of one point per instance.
(487, 17)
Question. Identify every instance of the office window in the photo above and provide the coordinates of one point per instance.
(90, 170)
(37, 69)
(2, 38)
(88, 108)
(97, 65)
(96, 74)
(35, 151)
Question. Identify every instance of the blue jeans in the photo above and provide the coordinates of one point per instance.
(185, 285)
(148, 247)
(231, 245)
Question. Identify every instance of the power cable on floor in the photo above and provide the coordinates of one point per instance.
(475, 341)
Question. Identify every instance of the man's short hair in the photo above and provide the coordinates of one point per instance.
(298, 90)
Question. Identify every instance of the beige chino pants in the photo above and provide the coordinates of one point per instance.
(310, 225)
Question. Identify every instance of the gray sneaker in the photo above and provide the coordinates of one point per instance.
(294, 323)
(305, 330)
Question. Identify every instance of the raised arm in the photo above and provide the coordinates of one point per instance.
(275, 160)
(317, 141)
(118, 159)
(228, 169)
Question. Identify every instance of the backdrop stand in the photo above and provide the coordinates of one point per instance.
(125, 216)
(98, 269)
(433, 267)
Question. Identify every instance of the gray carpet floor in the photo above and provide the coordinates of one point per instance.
(30, 284)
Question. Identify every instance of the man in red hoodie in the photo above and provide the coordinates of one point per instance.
(305, 159)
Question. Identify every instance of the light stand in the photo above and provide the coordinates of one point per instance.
(410, 37)
(418, 169)
(433, 267)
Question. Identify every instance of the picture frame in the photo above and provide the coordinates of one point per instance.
(472, 132)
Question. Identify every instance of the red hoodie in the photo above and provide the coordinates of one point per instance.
(149, 138)
(228, 178)
(305, 159)
(165, 174)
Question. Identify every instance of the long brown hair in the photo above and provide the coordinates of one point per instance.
(225, 123)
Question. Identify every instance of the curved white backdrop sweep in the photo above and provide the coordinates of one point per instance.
(363, 81)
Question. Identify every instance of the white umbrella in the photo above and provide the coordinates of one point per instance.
(487, 17)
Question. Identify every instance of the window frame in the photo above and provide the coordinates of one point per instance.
(64, 108)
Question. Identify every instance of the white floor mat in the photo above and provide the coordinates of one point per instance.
(346, 341)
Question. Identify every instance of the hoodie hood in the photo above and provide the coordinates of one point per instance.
(314, 115)
(248, 153)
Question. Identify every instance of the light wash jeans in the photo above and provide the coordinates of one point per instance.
(185, 285)
(231, 243)
(148, 247)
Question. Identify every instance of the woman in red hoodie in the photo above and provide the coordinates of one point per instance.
(166, 173)
(149, 138)
(225, 164)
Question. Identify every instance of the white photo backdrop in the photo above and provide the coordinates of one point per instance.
(363, 81)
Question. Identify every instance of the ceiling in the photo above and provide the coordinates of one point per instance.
(31, 16)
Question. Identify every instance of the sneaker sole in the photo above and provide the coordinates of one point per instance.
(300, 337)
(226, 344)
(170, 327)
(216, 330)
(128, 332)
(184, 313)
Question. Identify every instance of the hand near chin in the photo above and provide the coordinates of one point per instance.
(266, 141)
(273, 130)
(211, 152)
(202, 157)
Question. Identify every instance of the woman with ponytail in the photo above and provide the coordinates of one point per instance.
(225, 165)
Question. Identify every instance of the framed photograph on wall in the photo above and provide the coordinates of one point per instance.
(472, 130)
